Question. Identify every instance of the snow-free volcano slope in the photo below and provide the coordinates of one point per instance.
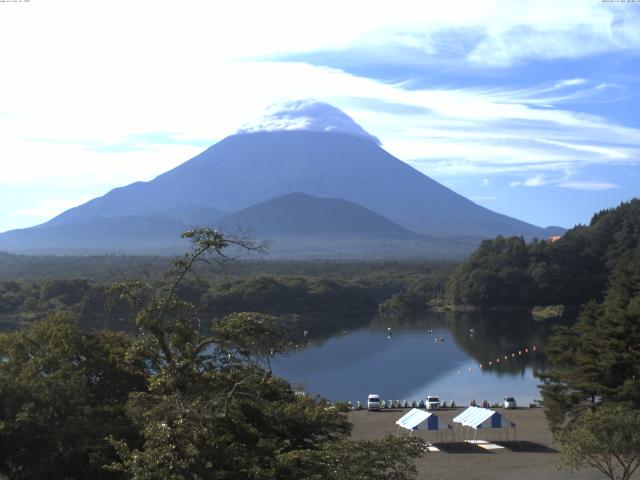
(306, 147)
(246, 169)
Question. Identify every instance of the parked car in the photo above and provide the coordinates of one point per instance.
(373, 402)
(432, 402)
(509, 402)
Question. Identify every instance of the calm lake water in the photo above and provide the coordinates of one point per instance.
(410, 364)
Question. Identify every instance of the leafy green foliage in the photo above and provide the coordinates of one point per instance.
(212, 411)
(288, 295)
(570, 271)
(599, 357)
(592, 393)
(62, 392)
(384, 459)
(317, 291)
(255, 336)
(421, 292)
(607, 439)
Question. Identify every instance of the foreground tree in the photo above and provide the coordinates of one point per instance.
(347, 460)
(596, 376)
(213, 408)
(598, 359)
(62, 392)
(184, 399)
(607, 439)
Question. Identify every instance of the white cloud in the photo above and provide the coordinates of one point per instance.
(560, 92)
(588, 185)
(68, 164)
(535, 181)
(564, 182)
(605, 152)
(309, 115)
(501, 33)
(460, 130)
(571, 82)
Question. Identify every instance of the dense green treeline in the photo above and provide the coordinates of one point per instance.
(599, 356)
(310, 289)
(502, 271)
(570, 271)
(94, 267)
(108, 268)
(591, 392)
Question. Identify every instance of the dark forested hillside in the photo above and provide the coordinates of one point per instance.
(30, 287)
(570, 271)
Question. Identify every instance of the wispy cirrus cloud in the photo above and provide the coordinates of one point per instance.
(452, 132)
(489, 34)
(588, 185)
(535, 181)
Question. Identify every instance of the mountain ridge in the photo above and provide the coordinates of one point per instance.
(246, 169)
(299, 214)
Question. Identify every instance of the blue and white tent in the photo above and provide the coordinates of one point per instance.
(482, 419)
(420, 420)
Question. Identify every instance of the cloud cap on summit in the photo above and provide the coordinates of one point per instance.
(310, 115)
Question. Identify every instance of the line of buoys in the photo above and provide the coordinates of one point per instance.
(506, 357)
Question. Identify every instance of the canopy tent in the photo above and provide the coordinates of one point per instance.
(421, 420)
(476, 418)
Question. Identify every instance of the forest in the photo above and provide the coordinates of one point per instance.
(312, 289)
(569, 271)
(501, 272)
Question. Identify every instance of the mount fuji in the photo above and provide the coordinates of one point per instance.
(345, 186)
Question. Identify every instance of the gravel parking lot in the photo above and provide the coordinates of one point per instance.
(531, 457)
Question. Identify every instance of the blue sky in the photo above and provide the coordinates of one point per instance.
(528, 108)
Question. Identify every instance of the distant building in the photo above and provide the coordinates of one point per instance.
(554, 239)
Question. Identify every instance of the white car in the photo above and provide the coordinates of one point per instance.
(509, 402)
(432, 402)
(373, 402)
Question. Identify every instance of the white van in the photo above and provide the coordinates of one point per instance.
(373, 402)
(432, 402)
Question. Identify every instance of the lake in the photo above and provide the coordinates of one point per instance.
(408, 363)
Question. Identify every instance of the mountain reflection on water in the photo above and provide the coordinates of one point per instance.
(409, 363)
